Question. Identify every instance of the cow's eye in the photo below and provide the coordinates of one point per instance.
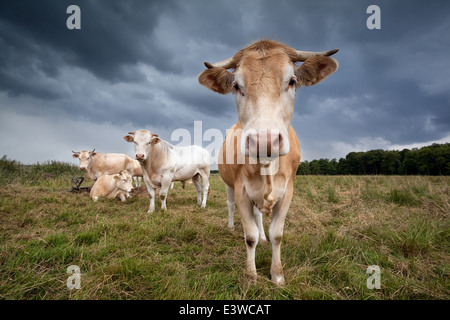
(292, 82)
(238, 89)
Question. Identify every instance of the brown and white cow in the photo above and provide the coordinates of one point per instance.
(112, 186)
(98, 164)
(264, 80)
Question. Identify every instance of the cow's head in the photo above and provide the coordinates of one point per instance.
(123, 181)
(84, 156)
(143, 141)
(264, 80)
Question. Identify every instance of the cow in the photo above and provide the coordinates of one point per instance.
(264, 79)
(163, 163)
(96, 164)
(112, 186)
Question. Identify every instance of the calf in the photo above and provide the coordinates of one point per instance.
(112, 186)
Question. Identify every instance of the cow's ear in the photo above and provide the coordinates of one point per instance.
(217, 79)
(314, 70)
(128, 138)
(76, 155)
(155, 140)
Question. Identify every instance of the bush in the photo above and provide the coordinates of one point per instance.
(9, 168)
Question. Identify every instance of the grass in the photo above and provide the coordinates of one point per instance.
(337, 226)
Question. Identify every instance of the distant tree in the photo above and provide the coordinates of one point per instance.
(303, 168)
(342, 166)
(391, 162)
(429, 160)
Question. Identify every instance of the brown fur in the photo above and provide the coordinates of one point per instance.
(233, 173)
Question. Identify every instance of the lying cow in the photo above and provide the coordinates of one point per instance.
(98, 164)
(163, 163)
(112, 186)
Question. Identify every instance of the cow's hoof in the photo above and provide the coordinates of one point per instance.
(278, 280)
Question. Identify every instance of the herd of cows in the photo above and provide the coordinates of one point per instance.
(263, 77)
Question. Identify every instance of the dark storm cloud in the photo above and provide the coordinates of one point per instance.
(114, 35)
(400, 67)
(136, 63)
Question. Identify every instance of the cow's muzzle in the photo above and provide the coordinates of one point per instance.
(140, 156)
(264, 144)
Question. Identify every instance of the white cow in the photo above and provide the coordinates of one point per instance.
(163, 163)
(98, 164)
(112, 186)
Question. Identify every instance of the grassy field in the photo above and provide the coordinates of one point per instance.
(337, 226)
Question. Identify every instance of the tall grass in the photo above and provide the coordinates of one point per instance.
(47, 173)
(336, 227)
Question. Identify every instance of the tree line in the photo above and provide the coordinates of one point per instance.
(429, 160)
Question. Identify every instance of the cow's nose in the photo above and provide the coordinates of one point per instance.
(82, 168)
(264, 143)
(139, 156)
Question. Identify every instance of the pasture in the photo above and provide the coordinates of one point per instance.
(336, 227)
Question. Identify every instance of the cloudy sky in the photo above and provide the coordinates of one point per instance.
(134, 64)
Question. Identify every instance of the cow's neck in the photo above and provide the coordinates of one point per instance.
(267, 173)
(90, 168)
(156, 157)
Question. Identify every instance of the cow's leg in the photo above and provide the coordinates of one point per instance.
(259, 222)
(205, 187)
(171, 185)
(151, 193)
(276, 234)
(139, 182)
(251, 232)
(230, 204)
(122, 197)
(198, 187)
(164, 190)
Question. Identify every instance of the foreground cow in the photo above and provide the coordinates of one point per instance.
(259, 169)
(98, 164)
(112, 186)
(163, 163)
